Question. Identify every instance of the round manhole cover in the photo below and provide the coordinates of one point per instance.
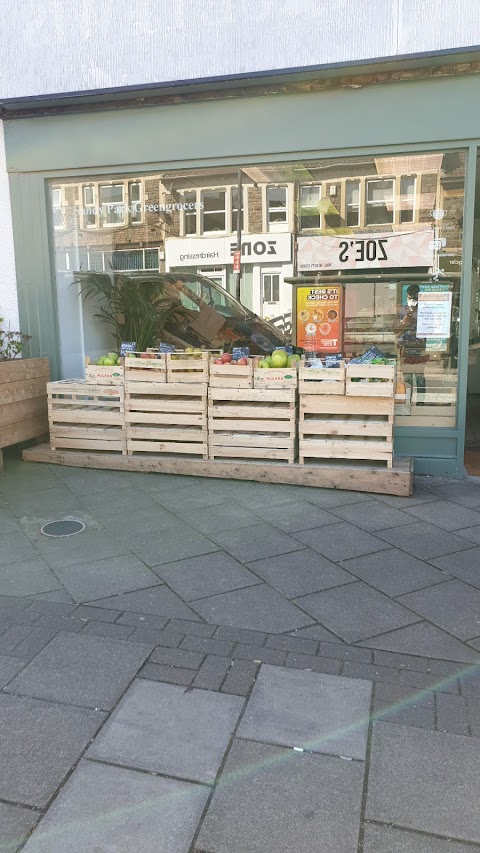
(65, 527)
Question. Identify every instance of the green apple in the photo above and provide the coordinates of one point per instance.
(108, 362)
(264, 363)
(279, 358)
(113, 356)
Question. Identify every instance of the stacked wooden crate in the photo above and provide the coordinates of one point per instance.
(252, 423)
(347, 413)
(84, 416)
(166, 417)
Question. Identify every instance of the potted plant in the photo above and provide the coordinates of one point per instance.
(23, 391)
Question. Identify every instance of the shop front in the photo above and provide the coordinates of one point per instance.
(386, 223)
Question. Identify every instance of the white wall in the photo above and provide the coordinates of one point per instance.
(64, 45)
(8, 289)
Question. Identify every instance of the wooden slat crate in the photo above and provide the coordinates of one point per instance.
(275, 377)
(82, 416)
(321, 380)
(231, 375)
(355, 428)
(166, 418)
(370, 380)
(252, 424)
(188, 368)
(139, 369)
(99, 374)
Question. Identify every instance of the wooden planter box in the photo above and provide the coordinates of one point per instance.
(23, 400)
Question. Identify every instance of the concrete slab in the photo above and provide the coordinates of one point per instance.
(163, 728)
(258, 608)
(108, 808)
(321, 713)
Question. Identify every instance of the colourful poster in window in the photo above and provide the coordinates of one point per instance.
(320, 318)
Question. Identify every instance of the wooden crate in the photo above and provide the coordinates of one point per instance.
(374, 380)
(188, 368)
(275, 377)
(98, 374)
(231, 375)
(321, 380)
(145, 369)
(252, 424)
(351, 428)
(86, 417)
(166, 418)
(23, 400)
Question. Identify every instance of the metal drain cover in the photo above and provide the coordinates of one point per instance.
(65, 527)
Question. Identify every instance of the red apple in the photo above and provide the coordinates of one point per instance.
(144, 355)
(243, 360)
(218, 361)
(226, 357)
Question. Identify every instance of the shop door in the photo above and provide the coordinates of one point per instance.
(271, 301)
(216, 274)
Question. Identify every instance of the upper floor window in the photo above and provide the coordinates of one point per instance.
(407, 198)
(135, 201)
(277, 213)
(190, 212)
(214, 212)
(352, 195)
(309, 211)
(57, 208)
(380, 208)
(235, 197)
(89, 207)
(112, 207)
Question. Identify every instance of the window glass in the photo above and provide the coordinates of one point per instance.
(234, 197)
(380, 202)
(309, 212)
(111, 203)
(353, 203)
(190, 213)
(57, 210)
(407, 198)
(135, 202)
(214, 210)
(276, 206)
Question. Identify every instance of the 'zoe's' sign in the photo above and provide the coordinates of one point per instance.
(365, 251)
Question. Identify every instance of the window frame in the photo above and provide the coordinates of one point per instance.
(318, 227)
(58, 207)
(275, 227)
(111, 204)
(372, 204)
(350, 182)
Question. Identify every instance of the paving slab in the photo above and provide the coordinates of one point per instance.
(146, 521)
(229, 516)
(428, 781)
(113, 576)
(154, 601)
(424, 640)
(385, 839)
(274, 800)
(470, 533)
(15, 823)
(194, 496)
(91, 545)
(111, 809)
(356, 611)
(394, 572)
(81, 670)
(321, 713)
(261, 540)
(40, 743)
(300, 573)
(296, 515)
(16, 548)
(466, 493)
(121, 501)
(424, 540)
(340, 541)
(372, 515)
(446, 514)
(54, 501)
(200, 577)
(258, 608)
(27, 578)
(9, 666)
(454, 606)
(464, 565)
(8, 522)
(164, 729)
(60, 596)
(175, 543)
(333, 497)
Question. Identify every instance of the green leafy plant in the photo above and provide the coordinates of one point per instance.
(11, 343)
(136, 308)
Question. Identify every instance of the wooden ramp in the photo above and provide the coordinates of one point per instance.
(327, 475)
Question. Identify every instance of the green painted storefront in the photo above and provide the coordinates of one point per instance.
(420, 115)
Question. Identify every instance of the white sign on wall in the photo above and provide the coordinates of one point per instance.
(366, 251)
(256, 248)
(434, 314)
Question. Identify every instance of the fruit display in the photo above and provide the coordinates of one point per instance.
(227, 358)
(108, 360)
(278, 359)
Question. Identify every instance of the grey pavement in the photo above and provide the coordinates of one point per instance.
(227, 667)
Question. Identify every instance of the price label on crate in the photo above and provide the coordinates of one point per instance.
(240, 352)
(166, 347)
(127, 346)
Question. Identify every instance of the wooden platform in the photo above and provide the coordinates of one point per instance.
(359, 478)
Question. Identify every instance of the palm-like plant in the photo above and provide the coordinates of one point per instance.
(136, 308)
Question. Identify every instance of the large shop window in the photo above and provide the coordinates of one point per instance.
(390, 226)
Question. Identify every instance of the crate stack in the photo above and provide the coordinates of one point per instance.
(166, 405)
(86, 416)
(347, 413)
